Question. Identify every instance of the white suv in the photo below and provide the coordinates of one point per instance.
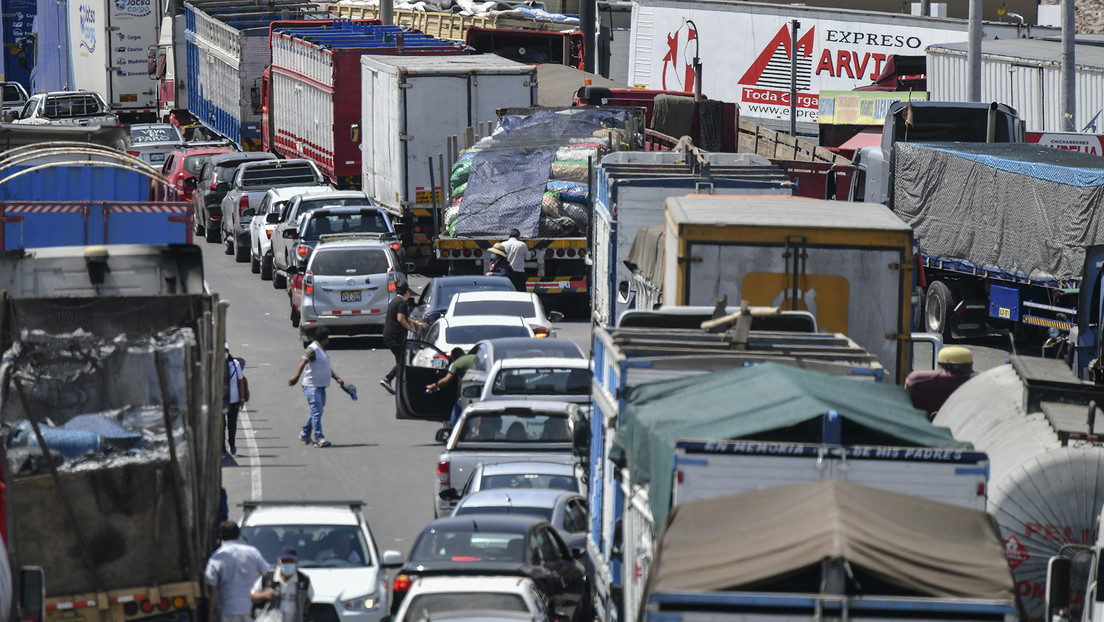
(336, 550)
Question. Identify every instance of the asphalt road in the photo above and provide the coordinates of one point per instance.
(388, 464)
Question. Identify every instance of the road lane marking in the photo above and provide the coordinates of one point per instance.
(254, 457)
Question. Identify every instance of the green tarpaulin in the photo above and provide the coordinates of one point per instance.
(764, 402)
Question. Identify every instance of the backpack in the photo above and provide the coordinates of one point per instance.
(226, 380)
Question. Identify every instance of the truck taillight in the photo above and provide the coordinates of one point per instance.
(550, 253)
(560, 252)
(243, 204)
(443, 473)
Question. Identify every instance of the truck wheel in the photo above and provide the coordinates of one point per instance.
(211, 233)
(266, 268)
(254, 263)
(241, 253)
(938, 305)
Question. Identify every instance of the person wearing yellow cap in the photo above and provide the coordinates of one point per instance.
(929, 389)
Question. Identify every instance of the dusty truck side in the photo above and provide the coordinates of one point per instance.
(850, 264)
(121, 516)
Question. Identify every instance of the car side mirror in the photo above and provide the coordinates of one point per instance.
(392, 559)
(556, 316)
(449, 494)
(191, 182)
(442, 437)
(471, 391)
(291, 234)
(249, 213)
(292, 269)
(272, 218)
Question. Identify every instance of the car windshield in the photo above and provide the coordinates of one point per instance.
(513, 510)
(432, 606)
(319, 546)
(473, 334)
(346, 262)
(446, 294)
(465, 545)
(193, 164)
(348, 222)
(543, 481)
(521, 308)
(158, 134)
(542, 381)
(517, 427)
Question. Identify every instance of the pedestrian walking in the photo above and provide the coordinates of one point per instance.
(516, 253)
(283, 594)
(316, 371)
(395, 327)
(500, 266)
(234, 398)
(231, 572)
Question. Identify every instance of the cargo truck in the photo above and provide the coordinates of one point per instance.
(18, 25)
(632, 189)
(828, 550)
(828, 414)
(850, 264)
(745, 49)
(409, 108)
(535, 173)
(84, 193)
(227, 51)
(1037, 422)
(100, 46)
(1009, 238)
(112, 498)
(311, 93)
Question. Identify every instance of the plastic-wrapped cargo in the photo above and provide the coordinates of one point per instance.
(1044, 485)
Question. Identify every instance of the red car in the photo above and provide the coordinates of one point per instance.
(184, 164)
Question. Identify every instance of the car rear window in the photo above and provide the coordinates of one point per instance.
(465, 545)
(194, 164)
(279, 175)
(71, 106)
(538, 481)
(542, 381)
(351, 222)
(448, 293)
(521, 308)
(515, 510)
(517, 428)
(441, 605)
(347, 262)
(472, 334)
(12, 94)
(541, 348)
(162, 134)
(309, 205)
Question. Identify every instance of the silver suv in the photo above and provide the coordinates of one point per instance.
(347, 283)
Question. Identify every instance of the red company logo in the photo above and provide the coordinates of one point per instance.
(772, 68)
(1015, 551)
(680, 65)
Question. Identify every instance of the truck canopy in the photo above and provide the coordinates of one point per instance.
(776, 539)
(764, 402)
(1042, 206)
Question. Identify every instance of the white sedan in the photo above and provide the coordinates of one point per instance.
(559, 379)
(336, 550)
(263, 223)
(464, 332)
(473, 598)
(521, 304)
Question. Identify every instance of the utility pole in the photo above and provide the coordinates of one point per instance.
(1069, 66)
(794, 25)
(973, 54)
(387, 12)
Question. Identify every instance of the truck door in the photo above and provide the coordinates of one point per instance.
(1085, 343)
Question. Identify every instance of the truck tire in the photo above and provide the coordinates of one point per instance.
(211, 233)
(939, 303)
(266, 267)
(241, 253)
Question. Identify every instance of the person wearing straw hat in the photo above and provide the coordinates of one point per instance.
(500, 266)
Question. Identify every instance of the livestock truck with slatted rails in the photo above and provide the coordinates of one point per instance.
(311, 93)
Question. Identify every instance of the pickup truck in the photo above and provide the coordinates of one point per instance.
(284, 237)
(14, 97)
(251, 181)
(504, 431)
(80, 108)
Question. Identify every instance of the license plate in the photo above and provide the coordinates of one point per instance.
(351, 296)
(157, 157)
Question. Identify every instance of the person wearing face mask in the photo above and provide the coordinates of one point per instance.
(283, 594)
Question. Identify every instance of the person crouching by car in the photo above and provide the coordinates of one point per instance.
(283, 594)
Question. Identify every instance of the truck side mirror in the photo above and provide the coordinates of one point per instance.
(617, 541)
(255, 99)
(354, 132)
(32, 593)
(1058, 585)
(580, 439)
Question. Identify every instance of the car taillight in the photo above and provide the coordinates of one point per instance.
(401, 583)
(571, 252)
(243, 204)
(302, 250)
(308, 283)
(540, 331)
(395, 246)
(444, 253)
(133, 153)
(268, 232)
(443, 473)
(582, 253)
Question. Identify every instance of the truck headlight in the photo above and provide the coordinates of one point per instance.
(370, 602)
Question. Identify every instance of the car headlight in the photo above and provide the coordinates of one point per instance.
(370, 602)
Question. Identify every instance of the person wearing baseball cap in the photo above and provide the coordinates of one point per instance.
(395, 328)
(929, 389)
(284, 590)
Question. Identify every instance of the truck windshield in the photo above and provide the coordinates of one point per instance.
(334, 546)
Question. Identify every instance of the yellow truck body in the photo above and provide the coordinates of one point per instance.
(850, 264)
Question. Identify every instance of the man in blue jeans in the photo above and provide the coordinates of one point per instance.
(316, 371)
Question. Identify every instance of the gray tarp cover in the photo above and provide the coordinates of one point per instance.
(647, 252)
(926, 547)
(1019, 209)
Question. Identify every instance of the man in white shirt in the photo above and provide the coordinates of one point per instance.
(231, 572)
(285, 593)
(316, 371)
(516, 254)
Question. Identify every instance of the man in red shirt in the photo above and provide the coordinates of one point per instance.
(929, 389)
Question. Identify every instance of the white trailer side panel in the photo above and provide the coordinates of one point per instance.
(134, 27)
(89, 42)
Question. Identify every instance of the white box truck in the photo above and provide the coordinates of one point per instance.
(410, 105)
